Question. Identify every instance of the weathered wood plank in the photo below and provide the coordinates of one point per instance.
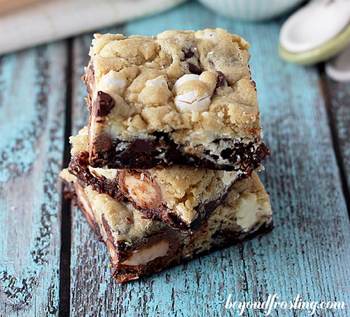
(309, 250)
(32, 99)
(308, 253)
(338, 95)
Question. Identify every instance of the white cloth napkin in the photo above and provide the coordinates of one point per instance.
(50, 20)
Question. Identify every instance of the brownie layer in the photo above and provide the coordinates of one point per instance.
(141, 247)
(160, 150)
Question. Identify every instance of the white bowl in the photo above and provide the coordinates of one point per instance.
(252, 10)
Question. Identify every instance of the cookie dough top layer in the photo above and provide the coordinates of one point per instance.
(194, 85)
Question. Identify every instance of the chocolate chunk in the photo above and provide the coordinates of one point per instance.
(253, 83)
(205, 209)
(174, 221)
(188, 53)
(194, 69)
(103, 143)
(221, 80)
(103, 104)
(142, 146)
(226, 153)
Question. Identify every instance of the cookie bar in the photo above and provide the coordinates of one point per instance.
(181, 97)
(140, 246)
(182, 197)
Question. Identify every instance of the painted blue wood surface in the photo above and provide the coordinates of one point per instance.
(308, 253)
(338, 97)
(32, 107)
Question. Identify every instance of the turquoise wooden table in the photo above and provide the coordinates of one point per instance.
(50, 262)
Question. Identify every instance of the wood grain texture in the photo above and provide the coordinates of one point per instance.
(32, 91)
(309, 250)
(338, 95)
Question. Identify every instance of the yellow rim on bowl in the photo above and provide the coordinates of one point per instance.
(319, 54)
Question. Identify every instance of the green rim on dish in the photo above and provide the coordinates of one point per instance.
(319, 54)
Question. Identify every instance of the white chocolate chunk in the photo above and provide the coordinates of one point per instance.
(185, 78)
(193, 92)
(113, 82)
(247, 214)
(148, 254)
(192, 102)
(104, 172)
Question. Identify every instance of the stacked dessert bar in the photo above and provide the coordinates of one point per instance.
(166, 168)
